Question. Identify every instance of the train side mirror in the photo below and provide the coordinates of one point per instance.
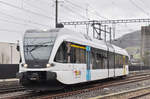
(18, 48)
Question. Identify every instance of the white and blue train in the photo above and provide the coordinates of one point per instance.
(58, 57)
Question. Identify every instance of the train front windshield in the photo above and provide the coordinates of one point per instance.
(37, 49)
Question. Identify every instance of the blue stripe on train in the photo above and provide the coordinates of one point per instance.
(88, 72)
(88, 75)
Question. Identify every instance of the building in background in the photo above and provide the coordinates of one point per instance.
(8, 53)
(145, 45)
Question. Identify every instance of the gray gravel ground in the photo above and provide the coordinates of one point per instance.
(5, 96)
(109, 90)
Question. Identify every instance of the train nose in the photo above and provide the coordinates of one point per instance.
(37, 76)
(34, 77)
(51, 76)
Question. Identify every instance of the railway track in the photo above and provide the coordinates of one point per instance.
(137, 93)
(10, 86)
(141, 96)
(84, 89)
(132, 74)
(11, 89)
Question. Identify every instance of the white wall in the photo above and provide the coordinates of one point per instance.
(5, 53)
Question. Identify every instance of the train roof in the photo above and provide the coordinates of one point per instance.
(81, 38)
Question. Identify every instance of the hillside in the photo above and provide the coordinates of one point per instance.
(129, 40)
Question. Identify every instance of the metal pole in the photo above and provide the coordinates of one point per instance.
(114, 30)
(110, 33)
(100, 32)
(87, 29)
(56, 18)
(93, 30)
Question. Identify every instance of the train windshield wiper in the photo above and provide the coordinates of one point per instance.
(40, 45)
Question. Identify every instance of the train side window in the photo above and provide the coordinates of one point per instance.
(111, 60)
(78, 54)
(121, 61)
(102, 59)
(98, 59)
(126, 60)
(72, 55)
(82, 56)
(61, 55)
(68, 54)
(118, 60)
(105, 59)
(93, 60)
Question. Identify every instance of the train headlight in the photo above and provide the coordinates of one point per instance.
(48, 65)
(25, 65)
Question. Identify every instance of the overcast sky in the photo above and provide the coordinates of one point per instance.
(16, 16)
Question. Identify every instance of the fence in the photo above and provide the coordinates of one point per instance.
(138, 68)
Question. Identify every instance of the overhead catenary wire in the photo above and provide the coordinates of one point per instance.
(138, 7)
(26, 10)
(34, 6)
(68, 17)
(74, 12)
(68, 9)
(97, 13)
(25, 24)
(8, 30)
(142, 2)
(79, 7)
(24, 20)
(44, 2)
(94, 13)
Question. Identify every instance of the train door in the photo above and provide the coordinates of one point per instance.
(88, 58)
(70, 55)
(124, 65)
(78, 60)
(114, 63)
(111, 62)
